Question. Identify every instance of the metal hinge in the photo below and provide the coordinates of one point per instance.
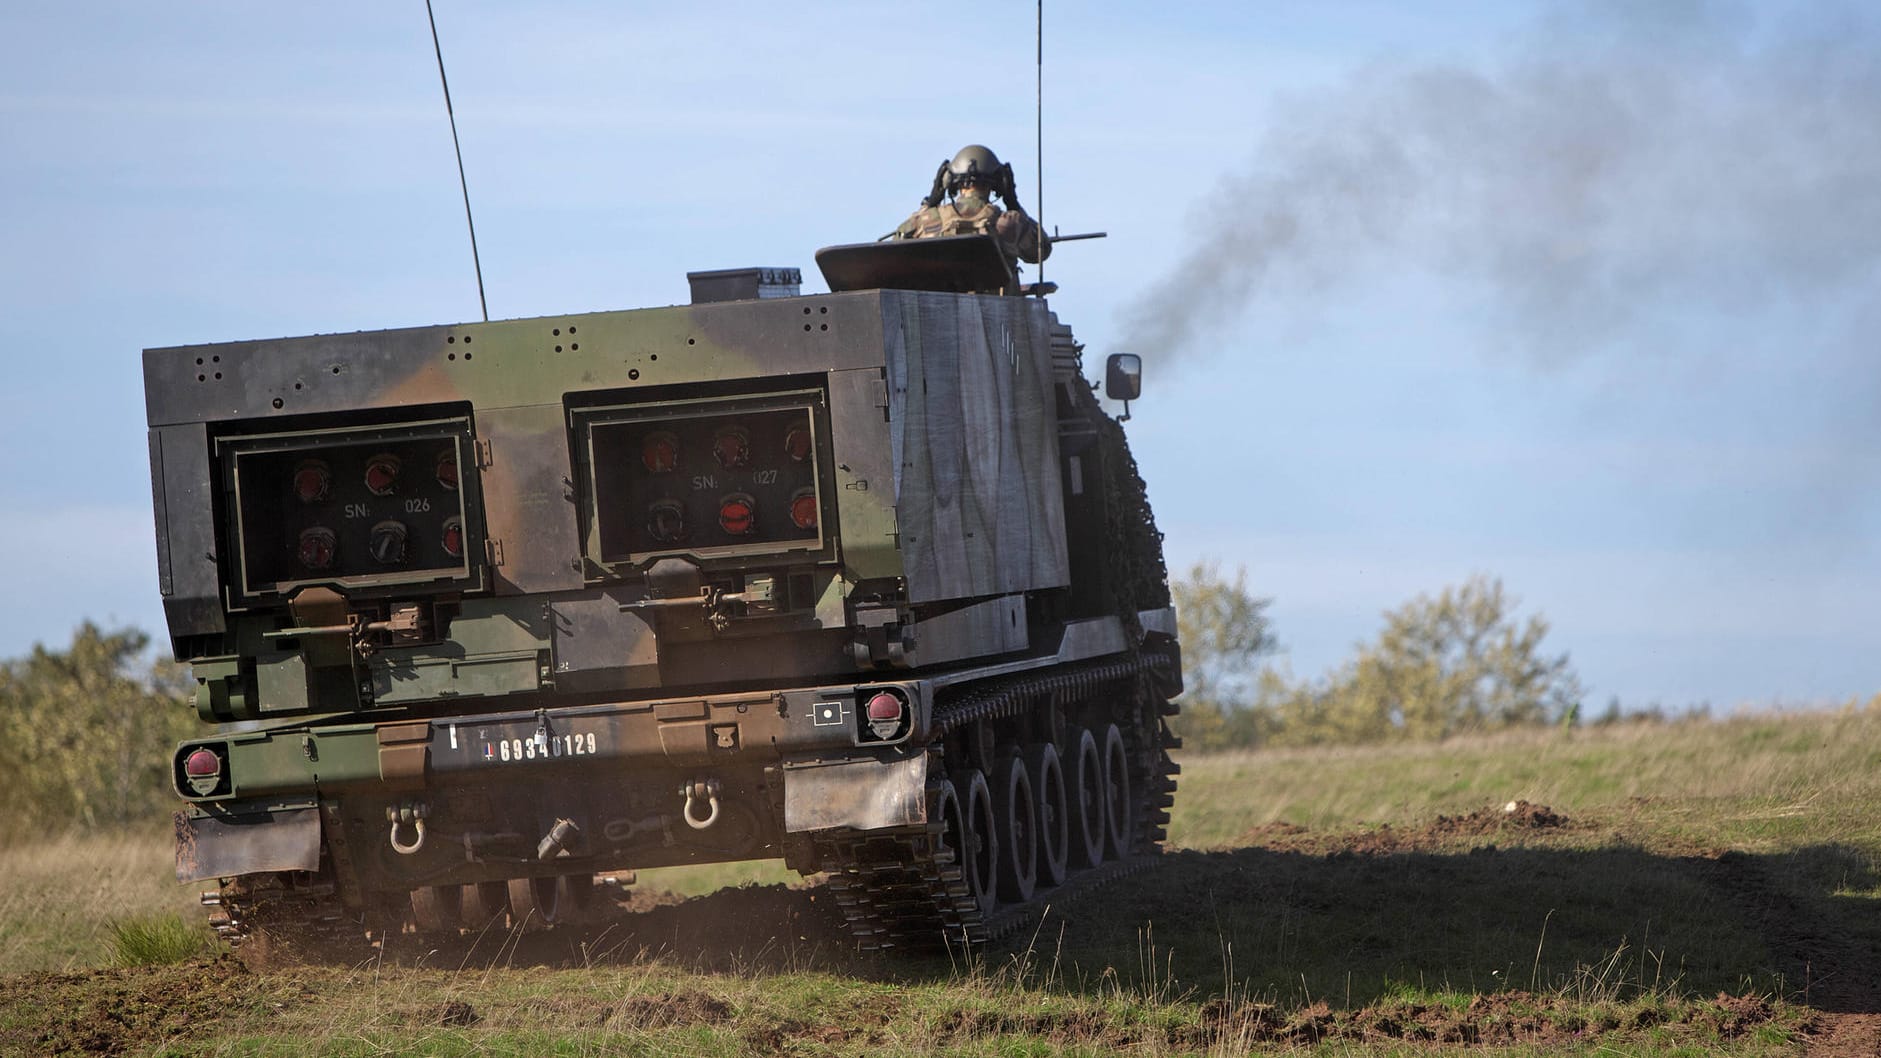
(480, 449)
(493, 550)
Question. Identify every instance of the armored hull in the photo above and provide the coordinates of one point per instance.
(863, 581)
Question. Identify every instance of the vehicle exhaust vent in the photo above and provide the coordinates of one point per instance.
(744, 284)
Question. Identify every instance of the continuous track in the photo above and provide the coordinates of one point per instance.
(910, 887)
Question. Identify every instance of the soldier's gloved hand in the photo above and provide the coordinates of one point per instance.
(1007, 190)
(939, 190)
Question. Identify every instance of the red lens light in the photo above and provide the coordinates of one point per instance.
(659, 452)
(454, 537)
(382, 474)
(736, 514)
(447, 470)
(803, 510)
(797, 444)
(316, 547)
(731, 447)
(884, 706)
(202, 763)
(312, 481)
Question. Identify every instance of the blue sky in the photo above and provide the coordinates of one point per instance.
(1580, 296)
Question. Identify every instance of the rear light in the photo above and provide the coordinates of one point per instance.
(447, 469)
(382, 474)
(797, 443)
(731, 446)
(454, 536)
(737, 515)
(202, 769)
(884, 706)
(666, 522)
(313, 481)
(803, 509)
(659, 453)
(887, 713)
(316, 548)
(388, 543)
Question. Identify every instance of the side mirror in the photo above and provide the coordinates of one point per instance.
(1123, 377)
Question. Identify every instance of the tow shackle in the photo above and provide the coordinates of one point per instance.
(700, 790)
(401, 816)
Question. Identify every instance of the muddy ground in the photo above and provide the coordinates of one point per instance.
(759, 932)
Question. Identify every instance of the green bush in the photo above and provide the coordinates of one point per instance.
(156, 940)
(86, 733)
(1459, 661)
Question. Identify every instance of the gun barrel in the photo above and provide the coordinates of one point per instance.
(1080, 235)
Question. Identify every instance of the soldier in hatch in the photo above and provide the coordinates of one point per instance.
(968, 183)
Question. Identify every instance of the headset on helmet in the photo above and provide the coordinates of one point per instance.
(975, 163)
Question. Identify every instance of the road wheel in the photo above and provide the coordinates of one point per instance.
(437, 908)
(1119, 808)
(1016, 822)
(1054, 816)
(484, 904)
(1084, 798)
(979, 839)
(946, 813)
(533, 903)
(574, 897)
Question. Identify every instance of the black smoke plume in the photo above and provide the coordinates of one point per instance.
(1626, 163)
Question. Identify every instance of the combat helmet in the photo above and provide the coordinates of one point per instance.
(973, 161)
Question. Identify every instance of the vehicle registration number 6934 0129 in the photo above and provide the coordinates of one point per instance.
(541, 747)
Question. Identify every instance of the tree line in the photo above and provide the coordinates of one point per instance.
(86, 733)
(1457, 661)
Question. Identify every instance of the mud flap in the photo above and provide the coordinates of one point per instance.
(858, 794)
(224, 846)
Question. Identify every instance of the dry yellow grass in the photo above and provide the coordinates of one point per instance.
(1632, 921)
(1752, 782)
(59, 897)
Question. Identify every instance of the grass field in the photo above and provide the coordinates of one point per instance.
(1688, 888)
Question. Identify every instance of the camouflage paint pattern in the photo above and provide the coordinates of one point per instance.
(544, 682)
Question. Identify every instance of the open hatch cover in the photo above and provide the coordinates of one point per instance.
(959, 264)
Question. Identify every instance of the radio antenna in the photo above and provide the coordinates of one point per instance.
(1038, 136)
(461, 181)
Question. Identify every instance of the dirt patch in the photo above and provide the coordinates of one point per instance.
(457, 1013)
(107, 1012)
(1498, 1019)
(1515, 817)
(773, 1036)
(1518, 815)
(1843, 1036)
(1282, 836)
(113, 1012)
(748, 919)
(749, 928)
(671, 1008)
(1089, 1029)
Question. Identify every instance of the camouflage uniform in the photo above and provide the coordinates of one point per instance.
(972, 213)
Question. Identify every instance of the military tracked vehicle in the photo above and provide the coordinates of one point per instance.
(865, 581)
